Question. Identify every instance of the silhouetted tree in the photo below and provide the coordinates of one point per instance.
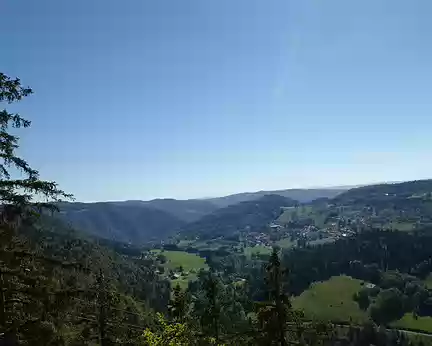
(273, 314)
(23, 195)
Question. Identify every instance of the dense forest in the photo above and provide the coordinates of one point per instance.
(250, 215)
(62, 286)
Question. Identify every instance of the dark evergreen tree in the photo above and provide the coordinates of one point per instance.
(27, 286)
(178, 304)
(274, 314)
(211, 317)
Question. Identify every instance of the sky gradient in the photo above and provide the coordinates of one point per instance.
(140, 99)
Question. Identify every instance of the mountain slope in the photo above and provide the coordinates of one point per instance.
(403, 206)
(187, 210)
(250, 215)
(383, 193)
(120, 222)
(142, 221)
(301, 195)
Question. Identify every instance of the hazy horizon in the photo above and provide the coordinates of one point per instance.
(330, 187)
(145, 99)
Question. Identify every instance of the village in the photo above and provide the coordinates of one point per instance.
(278, 234)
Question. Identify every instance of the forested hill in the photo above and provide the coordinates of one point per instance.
(188, 210)
(301, 195)
(386, 192)
(251, 215)
(138, 221)
(402, 196)
(143, 221)
(121, 222)
(65, 275)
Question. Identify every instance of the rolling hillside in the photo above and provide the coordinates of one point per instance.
(187, 210)
(138, 221)
(125, 223)
(387, 193)
(250, 215)
(301, 195)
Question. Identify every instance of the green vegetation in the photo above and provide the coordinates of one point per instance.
(129, 223)
(251, 216)
(183, 243)
(183, 281)
(286, 243)
(58, 287)
(322, 241)
(408, 321)
(287, 215)
(209, 244)
(401, 226)
(190, 265)
(301, 195)
(428, 281)
(293, 213)
(332, 300)
(315, 215)
(250, 251)
(188, 261)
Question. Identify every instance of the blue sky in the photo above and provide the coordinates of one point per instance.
(140, 99)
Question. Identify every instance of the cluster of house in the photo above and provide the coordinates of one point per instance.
(258, 239)
(311, 233)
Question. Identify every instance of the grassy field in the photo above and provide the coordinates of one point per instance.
(302, 212)
(322, 241)
(183, 281)
(187, 260)
(401, 226)
(428, 281)
(185, 243)
(213, 244)
(408, 321)
(261, 250)
(286, 243)
(332, 300)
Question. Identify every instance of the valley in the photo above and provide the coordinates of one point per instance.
(352, 285)
(360, 257)
(216, 173)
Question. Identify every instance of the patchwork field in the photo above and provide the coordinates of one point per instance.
(304, 212)
(332, 300)
(190, 263)
(257, 250)
(428, 281)
(408, 321)
(184, 259)
(292, 213)
(286, 243)
(400, 226)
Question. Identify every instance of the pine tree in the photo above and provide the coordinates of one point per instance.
(211, 316)
(274, 314)
(26, 278)
(22, 193)
(177, 307)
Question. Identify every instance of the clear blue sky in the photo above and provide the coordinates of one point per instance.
(139, 99)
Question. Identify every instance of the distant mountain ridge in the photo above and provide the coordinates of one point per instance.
(251, 215)
(301, 195)
(125, 223)
(385, 193)
(136, 221)
(187, 210)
